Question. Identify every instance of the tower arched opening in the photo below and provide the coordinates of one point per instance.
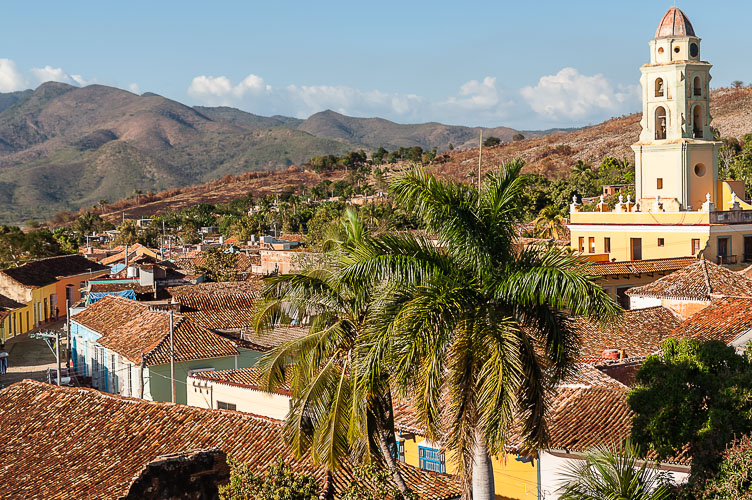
(659, 90)
(660, 123)
(697, 124)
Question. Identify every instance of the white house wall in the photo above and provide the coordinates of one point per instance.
(640, 302)
(552, 467)
(205, 394)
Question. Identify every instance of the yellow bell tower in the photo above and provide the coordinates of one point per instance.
(676, 157)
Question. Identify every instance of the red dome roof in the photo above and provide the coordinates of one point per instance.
(674, 23)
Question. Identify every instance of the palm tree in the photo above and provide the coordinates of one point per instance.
(617, 474)
(472, 328)
(550, 224)
(332, 417)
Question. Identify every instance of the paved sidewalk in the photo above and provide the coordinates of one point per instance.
(29, 358)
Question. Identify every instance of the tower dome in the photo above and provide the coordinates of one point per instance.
(674, 23)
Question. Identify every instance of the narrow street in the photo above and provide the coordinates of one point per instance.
(29, 358)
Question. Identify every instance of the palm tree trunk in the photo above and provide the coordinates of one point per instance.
(483, 478)
(381, 409)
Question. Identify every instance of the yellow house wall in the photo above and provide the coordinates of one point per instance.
(512, 479)
(675, 244)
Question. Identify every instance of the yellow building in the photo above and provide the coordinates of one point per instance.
(42, 288)
(681, 208)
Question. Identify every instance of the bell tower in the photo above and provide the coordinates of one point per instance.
(676, 157)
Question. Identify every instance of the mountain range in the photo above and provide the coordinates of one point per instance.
(63, 147)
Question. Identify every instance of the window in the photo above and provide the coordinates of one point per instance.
(747, 249)
(660, 242)
(591, 244)
(430, 459)
(221, 405)
(581, 242)
(697, 86)
(659, 183)
(700, 169)
(694, 49)
(659, 87)
(607, 244)
(677, 49)
(401, 450)
(635, 245)
(660, 123)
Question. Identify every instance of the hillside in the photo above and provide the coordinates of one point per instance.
(550, 155)
(64, 147)
(375, 132)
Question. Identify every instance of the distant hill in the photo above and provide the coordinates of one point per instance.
(64, 147)
(551, 155)
(375, 132)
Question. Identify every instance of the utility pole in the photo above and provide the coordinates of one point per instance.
(172, 359)
(480, 156)
(57, 355)
(68, 333)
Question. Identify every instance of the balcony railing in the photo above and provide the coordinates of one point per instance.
(727, 259)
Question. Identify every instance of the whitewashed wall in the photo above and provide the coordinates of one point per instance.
(551, 468)
(640, 302)
(204, 394)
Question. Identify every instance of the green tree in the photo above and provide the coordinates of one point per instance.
(379, 480)
(379, 156)
(550, 224)
(128, 233)
(460, 324)
(696, 394)
(278, 482)
(332, 417)
(518, 137)
(491, 141)
(614, 474)
(732, 481)
(737, 84)
(219, 266)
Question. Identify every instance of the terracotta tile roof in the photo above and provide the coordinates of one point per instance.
(136, 332)
(747, 271)
(698, 281)
(249, 378)
(45, 272)
(243, 263)
(218, 306)
(639, 266)
(271, 339)
(724, 319)
(637, 332)
(97, 454)
(584, 376)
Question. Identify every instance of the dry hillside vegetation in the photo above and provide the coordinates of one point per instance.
(553, 155)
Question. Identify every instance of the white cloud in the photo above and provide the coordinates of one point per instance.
(50, 74)
(11, 78)
(571, 96)
(567, 97)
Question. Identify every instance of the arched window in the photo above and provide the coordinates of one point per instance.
(697, 86)
(697, 124)
(659, 87)
(660, 122)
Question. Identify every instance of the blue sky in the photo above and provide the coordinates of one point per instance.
(522, 64)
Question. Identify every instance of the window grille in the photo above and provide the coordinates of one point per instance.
(431, 459)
